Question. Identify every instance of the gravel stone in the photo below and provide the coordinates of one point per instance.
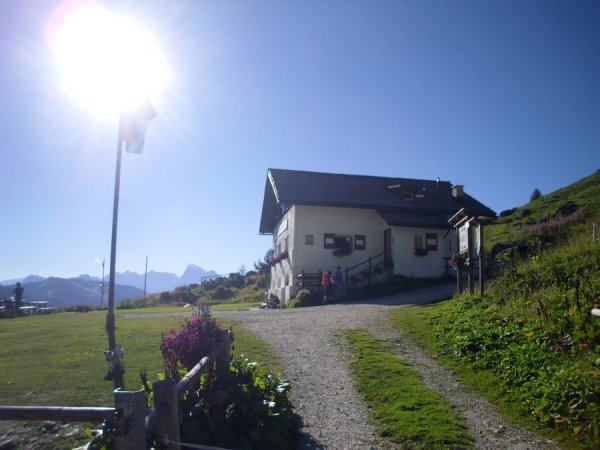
(323, 392)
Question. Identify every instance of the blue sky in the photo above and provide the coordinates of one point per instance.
(501, 96)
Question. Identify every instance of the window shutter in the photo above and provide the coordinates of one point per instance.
(329, 240)
(360, 242)
(431, 241)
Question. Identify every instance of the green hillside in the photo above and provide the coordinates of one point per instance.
(584, 194)
(532, 345)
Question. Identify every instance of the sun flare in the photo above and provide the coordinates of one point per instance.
(106, 62)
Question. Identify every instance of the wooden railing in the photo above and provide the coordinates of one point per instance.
(366, 268)
(129, 422)
(308, 280)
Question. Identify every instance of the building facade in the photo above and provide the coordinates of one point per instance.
(374, 228)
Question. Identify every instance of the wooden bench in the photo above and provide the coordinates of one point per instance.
(309, 280)
(27, 309)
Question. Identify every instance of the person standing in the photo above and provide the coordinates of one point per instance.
(326, 284)
(18, 293)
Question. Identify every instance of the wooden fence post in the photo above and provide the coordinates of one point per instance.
(470, 261)
(132, 406)
(166, 403)
(481, 263)
(223, 358)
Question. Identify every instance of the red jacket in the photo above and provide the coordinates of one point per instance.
(326, 282)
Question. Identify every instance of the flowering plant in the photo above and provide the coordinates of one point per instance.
(553, 226)
(457, 261)
(279, 258)
(195, 339)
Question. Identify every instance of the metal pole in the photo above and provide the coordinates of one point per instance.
(61, 413)
(110, 316)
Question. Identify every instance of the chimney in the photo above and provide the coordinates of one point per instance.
(458, 190)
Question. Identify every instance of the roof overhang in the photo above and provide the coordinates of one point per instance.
(413, 219)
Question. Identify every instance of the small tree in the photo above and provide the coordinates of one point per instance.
(264, 267)
(535, 195)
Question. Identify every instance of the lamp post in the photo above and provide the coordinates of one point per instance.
(107, 61)
(132, 130)
(117, 370)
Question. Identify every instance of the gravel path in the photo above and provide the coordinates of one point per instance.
(333, 416)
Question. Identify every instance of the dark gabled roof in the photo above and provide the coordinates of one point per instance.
(401, 200)
(408, 219)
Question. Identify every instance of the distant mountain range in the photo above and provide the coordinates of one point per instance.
(86, 289)
(163, 281)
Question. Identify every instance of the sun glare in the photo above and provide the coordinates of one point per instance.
(106, 62)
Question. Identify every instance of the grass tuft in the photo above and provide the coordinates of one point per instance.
(406, 412)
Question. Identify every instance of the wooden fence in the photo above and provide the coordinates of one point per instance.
(129, 422)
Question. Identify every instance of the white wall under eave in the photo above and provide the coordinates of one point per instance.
(318, 220)
(300, 221)
(282, 280)
(408, 264)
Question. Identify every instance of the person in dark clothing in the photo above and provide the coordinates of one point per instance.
(326, 284)
(273, 302)
(18, 293)
(338, 279)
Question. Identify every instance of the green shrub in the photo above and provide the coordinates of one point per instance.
(222, 293)
(305, 297)
(292, 303)
(534, 331)
(80, 308)
(249, 410)
(141, 302)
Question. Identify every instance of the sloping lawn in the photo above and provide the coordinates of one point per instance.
(58, 359)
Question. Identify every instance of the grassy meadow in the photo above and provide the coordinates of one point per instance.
(58, 359)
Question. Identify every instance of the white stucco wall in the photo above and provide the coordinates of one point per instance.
(282, 283)
(314, 221)
(430, 265)
(300, 221)
(317, 221)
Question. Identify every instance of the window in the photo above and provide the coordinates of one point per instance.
(335, 241)
(308, 239)
(408, 196)
(431, 242)
(342, 242)
(360, 242)
(419, 242)
(420, 249)
(329, 240)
